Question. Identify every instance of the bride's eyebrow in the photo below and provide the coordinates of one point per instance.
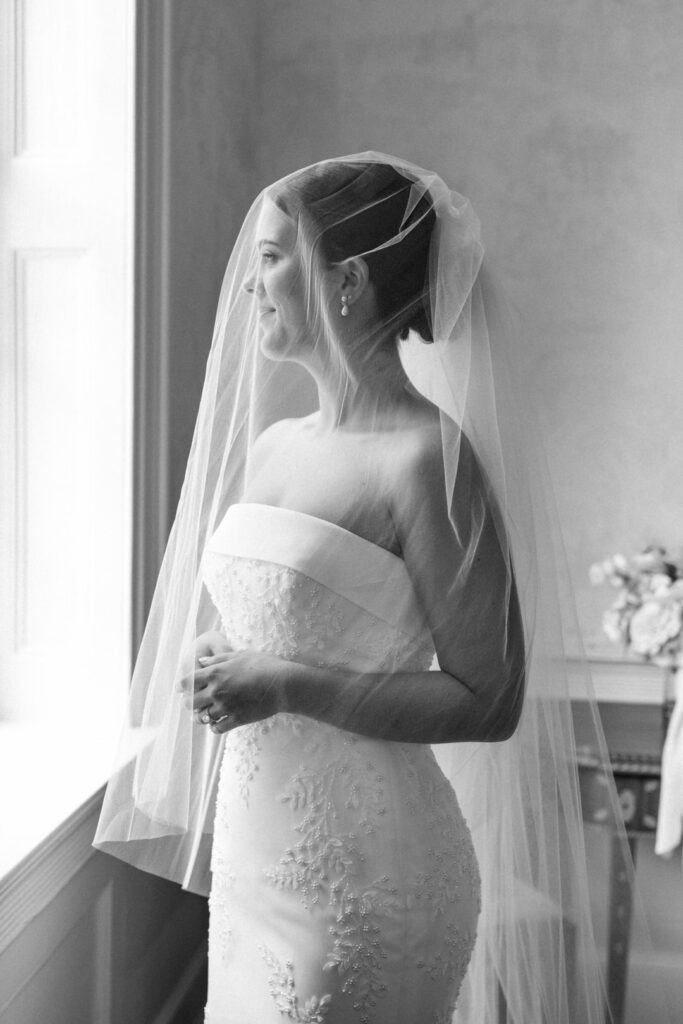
(267, 241)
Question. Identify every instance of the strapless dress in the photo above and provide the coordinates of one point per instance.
(345, 888)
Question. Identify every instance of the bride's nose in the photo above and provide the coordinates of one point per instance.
(251, 283)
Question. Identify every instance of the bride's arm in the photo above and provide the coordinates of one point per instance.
(463, 580)
(409, 707)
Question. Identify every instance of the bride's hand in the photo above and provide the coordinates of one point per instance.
(209, 643)
(234, 688)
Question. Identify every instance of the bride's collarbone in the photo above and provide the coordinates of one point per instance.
(346, 495)
(350, 480)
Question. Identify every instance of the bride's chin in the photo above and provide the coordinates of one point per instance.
(271, 349)
(276, 347)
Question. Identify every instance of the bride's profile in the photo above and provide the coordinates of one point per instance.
(350, 719)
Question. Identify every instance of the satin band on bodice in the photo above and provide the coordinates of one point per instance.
(356, 569)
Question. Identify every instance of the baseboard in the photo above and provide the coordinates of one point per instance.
(185, 1002)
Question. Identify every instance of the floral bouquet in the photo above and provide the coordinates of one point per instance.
(646, 617)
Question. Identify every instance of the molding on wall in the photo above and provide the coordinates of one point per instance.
(174, 1010)
(24, 260)
(618, 682)
(104, 980)
(27, 889)
(151, 513)
(19, 404)
(19, 84)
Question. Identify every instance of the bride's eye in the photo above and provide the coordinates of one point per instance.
(267, 257)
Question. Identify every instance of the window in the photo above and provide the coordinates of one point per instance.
(66, 334)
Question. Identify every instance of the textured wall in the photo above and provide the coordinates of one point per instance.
(562, 122)
(212, 102)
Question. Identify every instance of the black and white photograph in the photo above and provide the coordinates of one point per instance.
(341, 512)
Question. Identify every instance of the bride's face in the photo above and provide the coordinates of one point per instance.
(278, 285)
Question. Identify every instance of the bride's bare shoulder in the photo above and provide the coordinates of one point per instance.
(277, 434)
(418, 465)
(419, 441)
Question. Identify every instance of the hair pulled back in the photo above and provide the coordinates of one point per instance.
(365, 209)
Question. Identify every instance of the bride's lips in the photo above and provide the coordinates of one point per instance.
(266, 310)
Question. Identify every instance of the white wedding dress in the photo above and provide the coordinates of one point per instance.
(345, 888)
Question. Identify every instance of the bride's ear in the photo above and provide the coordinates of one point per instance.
(354, 278)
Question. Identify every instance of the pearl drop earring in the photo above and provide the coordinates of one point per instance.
(345, 305)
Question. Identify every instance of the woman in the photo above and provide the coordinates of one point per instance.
(345, 539)
(361, 478)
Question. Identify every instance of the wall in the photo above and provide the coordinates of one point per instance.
(86, 939)
(196, 98)
(212, 93)
(562, 123)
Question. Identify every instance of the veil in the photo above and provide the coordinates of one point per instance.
(496, 615)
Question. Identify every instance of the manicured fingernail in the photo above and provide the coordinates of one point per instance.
(202, 661)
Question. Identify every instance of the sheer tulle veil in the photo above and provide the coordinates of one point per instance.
(535, 958)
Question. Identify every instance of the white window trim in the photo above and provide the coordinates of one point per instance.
(51, 771)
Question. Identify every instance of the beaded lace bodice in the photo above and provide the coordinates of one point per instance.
(308, 590)
(337, 859)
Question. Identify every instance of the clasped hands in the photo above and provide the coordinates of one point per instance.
(231, 688)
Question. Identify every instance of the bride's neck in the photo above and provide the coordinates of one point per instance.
(371, 401)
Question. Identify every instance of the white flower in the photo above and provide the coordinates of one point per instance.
(660, 584)
(597, 573)
(612, 625)
(620, 564)
(648, 561)
(652, 625)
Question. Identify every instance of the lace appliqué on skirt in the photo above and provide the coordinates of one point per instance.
(345, 883)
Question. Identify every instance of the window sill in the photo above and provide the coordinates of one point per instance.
(46, 773)
(51, 787)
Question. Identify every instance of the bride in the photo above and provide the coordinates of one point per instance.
(359, 483)
(353, 576)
